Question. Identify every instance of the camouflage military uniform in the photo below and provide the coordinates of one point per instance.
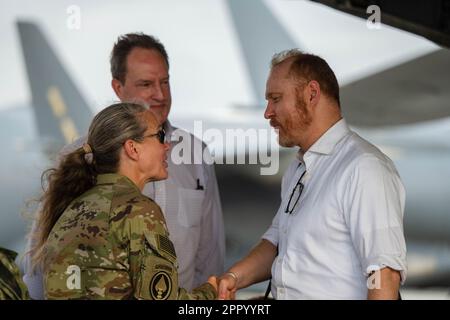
(11, 284)
(112, 243)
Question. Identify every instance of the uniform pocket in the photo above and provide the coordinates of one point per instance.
(190, 207)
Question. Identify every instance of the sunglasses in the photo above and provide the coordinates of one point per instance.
(161, 135)
(295, 195)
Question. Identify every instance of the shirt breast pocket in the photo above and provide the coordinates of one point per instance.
(190, 205)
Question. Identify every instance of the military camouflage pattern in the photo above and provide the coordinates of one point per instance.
(112, 243)
(11, 284)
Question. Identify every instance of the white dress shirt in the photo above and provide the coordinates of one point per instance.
(190, 202)
(349, 217)
(193, 214)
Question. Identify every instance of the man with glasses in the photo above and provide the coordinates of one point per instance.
(338, 233)
(189, 198)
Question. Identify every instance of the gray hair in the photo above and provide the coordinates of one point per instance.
(279, 57)
(108, 131)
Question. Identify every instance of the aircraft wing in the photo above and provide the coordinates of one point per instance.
(412, 92)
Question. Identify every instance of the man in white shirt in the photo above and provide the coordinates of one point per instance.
(338, 233)
(189, 198)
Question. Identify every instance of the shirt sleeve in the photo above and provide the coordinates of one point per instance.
(271, 234)
(33, 279)
(374, 202)
(210, 255)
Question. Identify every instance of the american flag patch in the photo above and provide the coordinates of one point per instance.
(166, 245)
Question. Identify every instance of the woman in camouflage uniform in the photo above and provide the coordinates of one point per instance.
(98, 237)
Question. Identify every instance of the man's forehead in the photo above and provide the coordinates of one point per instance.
(142, 53)
(146, 58)
(282, 69)
(278, 78)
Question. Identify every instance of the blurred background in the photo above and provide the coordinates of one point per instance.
(395, 92)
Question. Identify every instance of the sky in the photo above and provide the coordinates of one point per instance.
(207, 67)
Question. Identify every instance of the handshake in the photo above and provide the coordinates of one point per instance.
(226, 285)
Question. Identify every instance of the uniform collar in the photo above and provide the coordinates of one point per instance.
(114, 178)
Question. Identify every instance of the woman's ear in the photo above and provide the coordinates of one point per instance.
(131, 149)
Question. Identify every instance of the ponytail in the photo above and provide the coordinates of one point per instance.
(62, 185)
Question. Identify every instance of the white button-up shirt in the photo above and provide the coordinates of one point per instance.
(349, 217)
(189, 199)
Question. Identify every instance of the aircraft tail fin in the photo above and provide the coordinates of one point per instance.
(260, 36)
(60, 111)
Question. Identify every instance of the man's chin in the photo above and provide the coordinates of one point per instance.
(285, 143)
(161, 118)
(161, 115)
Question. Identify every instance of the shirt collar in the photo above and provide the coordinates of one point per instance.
(327, 142)
(113, 178)
(169, 129)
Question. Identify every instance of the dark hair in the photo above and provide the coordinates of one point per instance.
(76, 173)
(124, 45)
(306, 66)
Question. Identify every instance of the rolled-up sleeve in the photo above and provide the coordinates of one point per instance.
(272, 233)
(374, 203)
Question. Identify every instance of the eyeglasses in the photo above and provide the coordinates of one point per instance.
(161, 135)
(300, 187)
